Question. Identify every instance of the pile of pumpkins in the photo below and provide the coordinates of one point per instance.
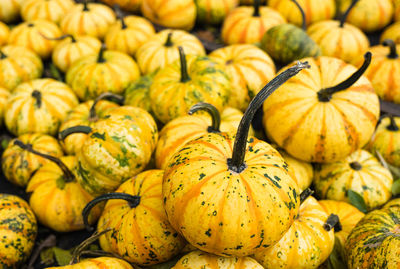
(159, 129)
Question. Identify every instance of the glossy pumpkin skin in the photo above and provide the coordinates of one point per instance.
(94, 22)
(3, 100)
(178, 14)
(155, 54)
(322, 131)
(302, 172)
(392, 32)
(240, 26)
(305, 245)
(50, 10)
(4, 33)
(98, 263)
(373, 182)
(9, 10)
(207, 203)
(143, 234)
(138, 93)
(249, 69)
(202, 260)
(19, 65)
(18, 165)
(18, 231)
(31, 35)
(214, 12)
(128, 5)
(25, 114)
(119, 147)
(90, 78)
(374, 242)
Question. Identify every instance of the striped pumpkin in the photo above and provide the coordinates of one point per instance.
(9, 10)
(138, 93)
(394, 202)
(203, 260)
(179, 14)
(325, 123)
(360, 172)
(4, 94)
(97, 263)
(50, 10)
(128, 5)
(128, 34)
(19, 165)
(39, 106)
(162, 49)
(249, 69)
(17, 65)
(214, 12)
(4, 33)
(392, 32)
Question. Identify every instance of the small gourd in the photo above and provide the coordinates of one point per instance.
(50, 10)
(392, 32)
(10, 10)
(213, 12)
(4, 33)
(138, 93)
(4, 94)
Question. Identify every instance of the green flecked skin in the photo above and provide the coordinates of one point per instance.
(137, 94)
(286, 43)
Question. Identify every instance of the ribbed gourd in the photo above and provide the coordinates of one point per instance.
(213, 12)
(97, 263)
(392, 32)
(4, 33)
(50, 10)
(138, 93)
(10, 10)
(4, 93)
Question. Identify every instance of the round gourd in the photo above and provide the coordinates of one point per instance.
(374, 242)
(4, 33)
(360, 172)
(50, 10)
(214, 12)
(17, 65)
(128, 5)
(184, 83)
(202, 260)
(392, 32)
(4, 94)
(18, 231)
(231, 195)
(325, 123)
(248, 24)
(88, 19)
(107, 71)
(249, 69)
(179, 14)
(162, 49)
(142, 233)
(138, 93)
(9, 10)
(35, 36)
(128, 34)
(39, 106)
(98, 263)
(18, 165)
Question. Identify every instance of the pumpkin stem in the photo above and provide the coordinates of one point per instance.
(169, 42)
(73, 130)
(2, 55)
(212, 111)
(392, 126)
(68, 175)
(73, 40)
(133, 201)
(325, 95)
(256, 6)
(303, 15)
(107, 95)
(393, 51)
(333, 222)
(120, 15)
(236, 163)
(184, 74)
(346, 13)
(100, 58)
(85, 5)
(305, 194)
(38, 96)
(356, 166)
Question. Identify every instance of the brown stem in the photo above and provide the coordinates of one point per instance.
(73, 130)
(305, 194)
(303, 15)
(393, 50)
(256, 8)
(107, 95)
(38, 96)
(184, 74)
(168, 42)
(85, 5)
(73, 40)
(346, 14)
(120, 15)
(100, 58)
(212, 111)
(392, 126)
(2, 55)
(332, 223)
(356, 166)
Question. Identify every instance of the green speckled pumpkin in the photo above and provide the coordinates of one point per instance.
(138, 93)
(214, 12)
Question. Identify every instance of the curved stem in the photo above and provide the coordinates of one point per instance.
(325, 95)
(68, 175)
(107, 95)
(346, 14)
(73, 40)
(303, 15)
(133, 201)
(305, 194)
(332, 222)
(2, 55)
(236, 163)
(169, 42)
(393, 50)
(256, 8)
(212, 111)
(100, 58)
(356, 166)
(392, 126)
(184, 74)
(73, 130)
(38, 96)
(120, 15)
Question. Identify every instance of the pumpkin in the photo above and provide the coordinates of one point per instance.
(138, 93)
(17, 65)
(88, 19)
(214, 12)
(180, 14)
(128, 5)
(339, 39)
(39, 106)
(374, 242)
(97, 263)
(248, 24)
(50, 10)
(162, 49)
(32, 35)
(3, 100)
(4, 33)
(18, 231)
(392, 32)
(141, 231)
(386, 140)
(9, 10)
(325, 123)
(73, 48)
(202, 260)
(184, 83)
(107, 71)
(249, 69)
(128, 34)
(360, 172)
(231, 197)
(396, 10)
(117, 147)
(18, 165)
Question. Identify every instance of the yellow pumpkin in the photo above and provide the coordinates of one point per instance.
(138, 93)
(396, 10)
(97, 263)
(39, 106)
(3, 101)
(88, 19)
(179, 14)
(203, 260)
(248, 24)
(50, 10)
(128, 34)
(325, 123)
(249, 69)
(128, 5)
(162, 49)
(17, 65)
(214, 12)
(4, 33)
(392, 32)
(360, 172)
(9, 10)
